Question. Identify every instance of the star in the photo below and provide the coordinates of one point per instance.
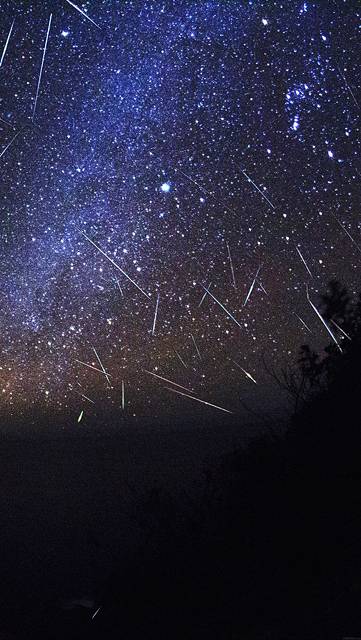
(165, 187)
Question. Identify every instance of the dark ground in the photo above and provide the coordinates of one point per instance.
(197, 532)
(69, 511)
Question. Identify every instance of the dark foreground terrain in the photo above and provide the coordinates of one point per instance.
(178, 538)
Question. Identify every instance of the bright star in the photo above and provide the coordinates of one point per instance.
(165, 187)
(296, 123)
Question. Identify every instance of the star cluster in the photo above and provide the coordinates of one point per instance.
(184, 171)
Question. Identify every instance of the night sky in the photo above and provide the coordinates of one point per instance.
(173, 175)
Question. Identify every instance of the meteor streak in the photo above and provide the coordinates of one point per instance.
(166, 380)
(42, 66)
(83, 13)
(222, 307)
(322, 320)
(155, 315)
(258, 189)
(114, 264)
(304, 261)
(198, 400)
(251, 287)
(6, 44)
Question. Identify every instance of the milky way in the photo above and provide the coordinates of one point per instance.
(173, 175)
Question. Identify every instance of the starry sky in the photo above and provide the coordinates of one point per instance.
(173, 175)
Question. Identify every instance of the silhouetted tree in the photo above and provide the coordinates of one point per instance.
(336, 303)
(316, 373)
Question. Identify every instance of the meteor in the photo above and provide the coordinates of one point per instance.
(155, 315)
(222, 307)
(258, 189)
(198, 400)
(6, 44)
(114, 264)
(322, 320)
(166, 380)
(42, 66)
(83, 13)
(251, 287)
